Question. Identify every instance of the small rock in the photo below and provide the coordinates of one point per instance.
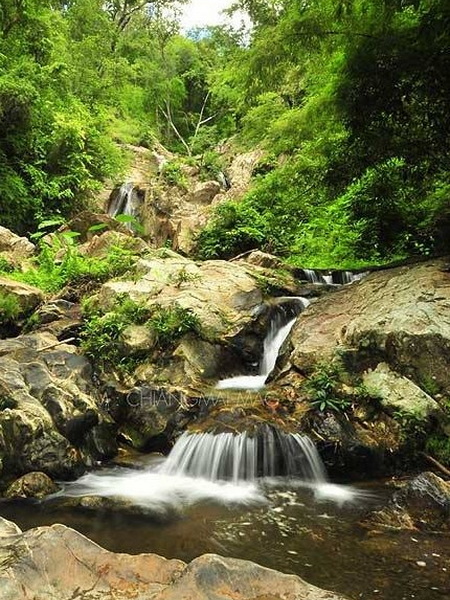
(31, 485)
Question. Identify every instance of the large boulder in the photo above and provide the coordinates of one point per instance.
(225, 300)
(31, 485)
(398, 316)
(51, 416)
(57, 563)
(205, 192)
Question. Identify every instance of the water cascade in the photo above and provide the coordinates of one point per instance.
(277, 334)
(332, 278)
(125, 201)
(268, 452)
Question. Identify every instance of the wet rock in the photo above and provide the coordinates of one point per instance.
(31, 485)
(59, 317)
(422, 503)
(53, 414)
(398, 316)
(60, 564)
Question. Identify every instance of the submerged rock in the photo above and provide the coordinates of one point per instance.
(57, 563)
(422, 503)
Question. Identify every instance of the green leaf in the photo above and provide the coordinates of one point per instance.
(98, 227)
(51, 223)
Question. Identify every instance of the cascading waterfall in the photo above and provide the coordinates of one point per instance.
(335, 278)
(240, 457)
(277, 334)
(124, 201)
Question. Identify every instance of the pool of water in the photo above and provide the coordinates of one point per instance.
(311, 531)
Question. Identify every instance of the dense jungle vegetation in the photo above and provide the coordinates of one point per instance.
(349, 99)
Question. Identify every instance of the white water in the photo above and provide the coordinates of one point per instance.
(273, 341)
(124, 201)
(245, 457)
(339, 277)
(226, 468)
(349, 277)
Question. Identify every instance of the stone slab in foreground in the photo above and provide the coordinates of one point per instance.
(58, 563)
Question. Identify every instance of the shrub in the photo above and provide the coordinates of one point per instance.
(324, 390)
(10, 308)
(102, 331)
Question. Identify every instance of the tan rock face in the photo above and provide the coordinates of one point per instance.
(400, 316)
(27, 296)
(222, 295)
(57, 563)
(14, 248)
(205, 192)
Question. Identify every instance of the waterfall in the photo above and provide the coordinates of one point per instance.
(335, 278)
(349, 277)
(124, 201)
(245, 457)
(277, 334)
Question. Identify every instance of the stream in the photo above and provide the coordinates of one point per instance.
(309, 529)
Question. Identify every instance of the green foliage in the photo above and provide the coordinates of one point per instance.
(59, 263)
(5, 265)
(351, 99)
(235, 228)
(324, 389)
(102, 330)
(10, 309)
(170, 323)
(173, 174)
(438, 445)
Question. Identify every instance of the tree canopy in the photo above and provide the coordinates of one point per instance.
(349, 100)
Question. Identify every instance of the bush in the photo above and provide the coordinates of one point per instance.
(235, 228)
(102, 331)
(59, 263)
(10, 309)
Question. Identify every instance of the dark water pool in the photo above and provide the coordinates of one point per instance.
(293, 531)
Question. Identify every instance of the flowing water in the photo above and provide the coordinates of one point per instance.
(309, 529)
(276, 336)
(261, 496)
(124, 201)
(335, 278)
